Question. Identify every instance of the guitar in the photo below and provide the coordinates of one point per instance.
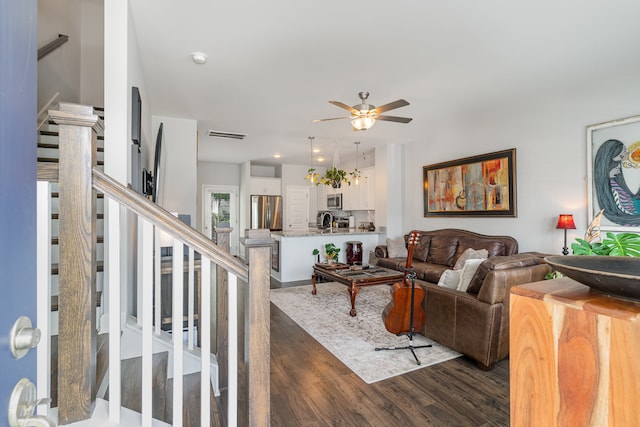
(397, 314)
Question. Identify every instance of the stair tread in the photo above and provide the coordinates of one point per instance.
(56, 133)
(55, 160)
(54, 146)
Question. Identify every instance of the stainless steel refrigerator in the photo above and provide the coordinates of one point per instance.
(266, 212)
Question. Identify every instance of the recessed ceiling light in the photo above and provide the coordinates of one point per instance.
(321, 159)
(277, 156)
(199, 57)
(316, 150)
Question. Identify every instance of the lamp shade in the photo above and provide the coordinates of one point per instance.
(362, 123)
(565, 222)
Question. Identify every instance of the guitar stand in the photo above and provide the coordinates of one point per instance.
(411, 332)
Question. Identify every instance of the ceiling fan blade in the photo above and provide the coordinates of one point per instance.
(391, 106)
(345, 106)
(332, 118)
(394, 119)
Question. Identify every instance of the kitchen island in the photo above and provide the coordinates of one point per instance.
(295, 249)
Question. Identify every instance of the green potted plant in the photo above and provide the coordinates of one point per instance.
(313, 176)
(334, 177)
(622, 244)
(330, 253)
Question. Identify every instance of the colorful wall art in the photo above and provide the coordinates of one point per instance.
(482, 185)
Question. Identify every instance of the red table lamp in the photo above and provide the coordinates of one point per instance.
(565, 222)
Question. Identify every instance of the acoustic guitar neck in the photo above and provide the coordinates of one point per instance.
(414, 238)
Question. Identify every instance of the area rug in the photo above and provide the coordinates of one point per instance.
(326, 318)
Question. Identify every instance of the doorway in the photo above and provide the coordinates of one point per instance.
(297, 214)
(220, 208)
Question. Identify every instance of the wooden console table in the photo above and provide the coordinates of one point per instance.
(575, 356)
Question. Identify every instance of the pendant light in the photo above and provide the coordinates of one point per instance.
(356, 172)
(312, 175)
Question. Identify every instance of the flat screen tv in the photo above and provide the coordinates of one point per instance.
(152, 179)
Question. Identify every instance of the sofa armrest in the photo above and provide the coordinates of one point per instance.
(497, 284)
(381, 251)
(459, 321)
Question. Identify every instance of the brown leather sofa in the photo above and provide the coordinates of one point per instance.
(476, 322)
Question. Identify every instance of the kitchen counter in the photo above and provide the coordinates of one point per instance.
(295, 249)
(318, 232)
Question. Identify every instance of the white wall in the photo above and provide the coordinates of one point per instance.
(550, 138)
(210, 173)
(75, 70)
(178, 177)
(92, 53)
(59, 72)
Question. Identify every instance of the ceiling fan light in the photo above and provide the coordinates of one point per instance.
(362, 123)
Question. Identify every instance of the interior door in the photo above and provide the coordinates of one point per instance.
(220, 205)
(297, 208)
(18, 98)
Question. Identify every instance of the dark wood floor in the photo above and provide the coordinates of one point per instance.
(311, 387)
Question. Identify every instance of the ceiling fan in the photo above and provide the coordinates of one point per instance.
(364, 115)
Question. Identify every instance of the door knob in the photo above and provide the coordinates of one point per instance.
(22, 405)
(23, 337)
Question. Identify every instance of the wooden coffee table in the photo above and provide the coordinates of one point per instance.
(354, 279)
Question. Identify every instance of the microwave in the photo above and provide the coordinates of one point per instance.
(334, 201)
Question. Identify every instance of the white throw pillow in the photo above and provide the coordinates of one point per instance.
(470, 254)
(450, 279)
(396, 248)
(467, 272)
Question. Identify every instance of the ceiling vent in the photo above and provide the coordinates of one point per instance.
(229, 135)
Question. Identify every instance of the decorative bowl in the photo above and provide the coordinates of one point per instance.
(612, 275)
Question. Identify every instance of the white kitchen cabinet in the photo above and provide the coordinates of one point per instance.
(362, 195)
(368, 190)
(322, 197)
(350, 197)
(266, 186)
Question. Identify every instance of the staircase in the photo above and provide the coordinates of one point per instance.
(165, 376)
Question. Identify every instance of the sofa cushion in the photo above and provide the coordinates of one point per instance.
(500, 263)
(397, 248)
(493, 247)
(450, 279)
(442, 250)
(421, 249)
(468, 271)
(429, 272)
(470, 254)
(392, 263)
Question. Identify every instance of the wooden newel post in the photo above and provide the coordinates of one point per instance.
(257, 330)
(222, 311)
(77, 262)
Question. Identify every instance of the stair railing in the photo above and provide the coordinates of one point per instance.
(51, 46)
(246, 398)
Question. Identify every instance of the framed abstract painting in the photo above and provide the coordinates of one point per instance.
(482, 186)
(613, 172)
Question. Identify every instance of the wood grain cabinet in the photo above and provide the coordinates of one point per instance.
(574, 356)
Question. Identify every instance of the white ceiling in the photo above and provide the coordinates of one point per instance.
(273, 65)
